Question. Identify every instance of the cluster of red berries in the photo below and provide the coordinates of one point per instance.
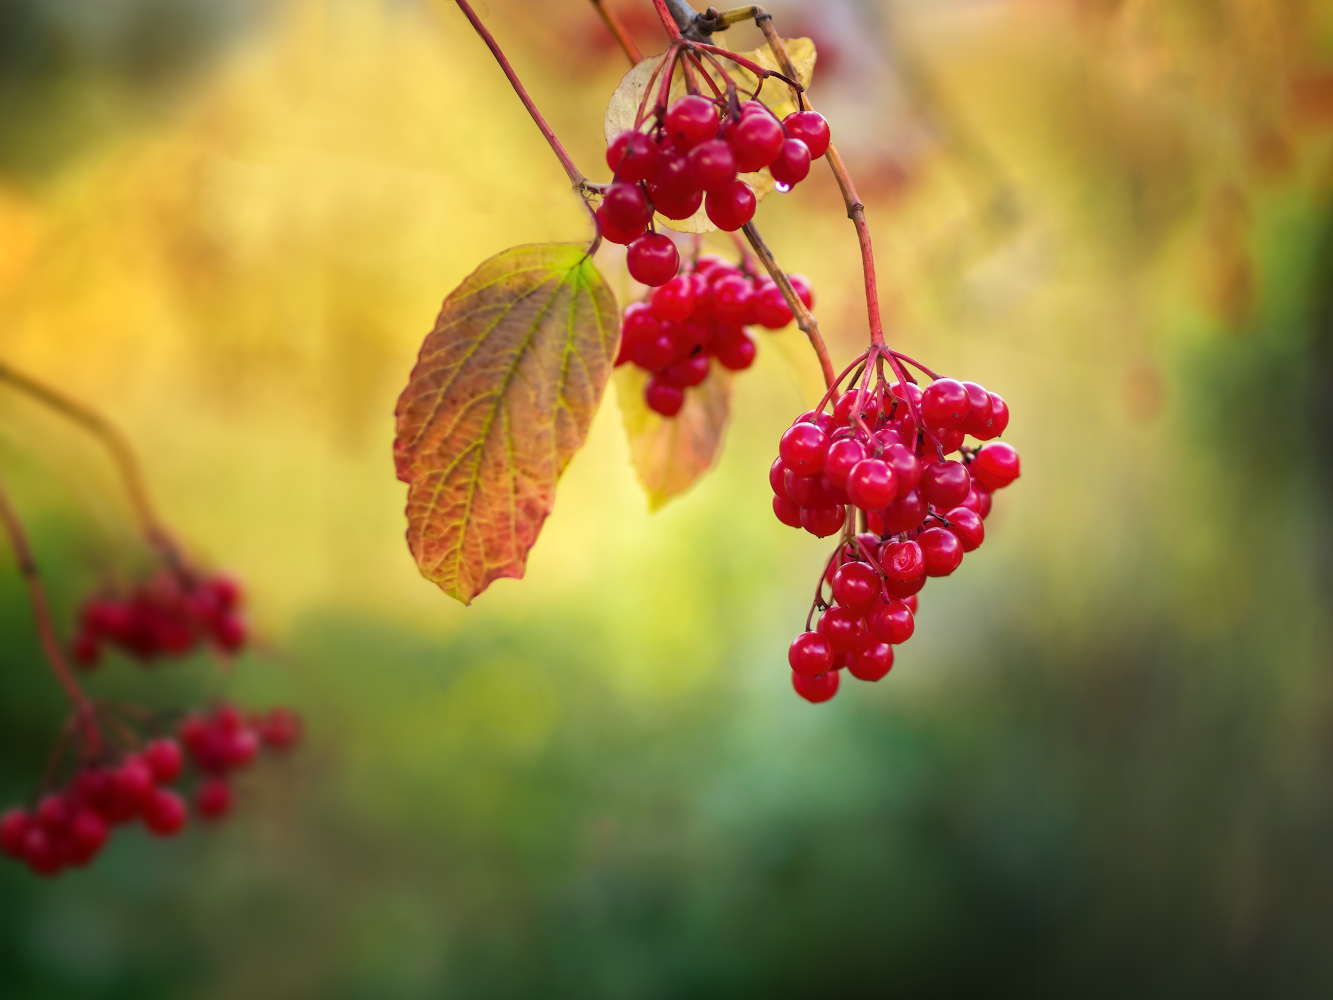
(69, 828)
(691, 158)
(170, 615)
(883, 453)
(699, 316)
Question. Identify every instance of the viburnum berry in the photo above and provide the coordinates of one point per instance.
(906, 468)
(905, 513)
(735, 352)
(845, 629)
(788, 512)
(823, 521)
(978, 410)
(846, 404)
(212, 800)
(664, 398)
(820, 419)
(944, 403)
(945, 484)
(755, 140)
(942, 550)
(653, 259)
(711, 165)
(856, 586)
(996, 465)
(968, 526)
(978, 499)
(808, 491)
(631, 156)
(810, 654)
(731, 206)
(164, 813)
(770, 308)
(679, 206)
(800, 284)
(902, 560)
(731, 299)
(999, 419)
(803, 448)
(892, 623)
(871, 662)
(15, 823)
(872, 484)
(903, 589)
(691, 120)
(811, 128)
(674, 299)
(164, 760)
(792, 164)
(626, 208)
(816, 689)
(840, 459)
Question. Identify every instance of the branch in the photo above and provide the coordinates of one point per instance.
(805, 319)
(617, 29)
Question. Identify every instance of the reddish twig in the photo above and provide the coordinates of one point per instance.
(618, 31)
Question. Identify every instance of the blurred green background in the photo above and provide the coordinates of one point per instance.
(1104, 765)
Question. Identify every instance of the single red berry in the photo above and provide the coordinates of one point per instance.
(670, 178)
(978, 499)
(776, 478)
(803, 448)
(87, 836)
(691, 120)
(872, 484)
(792, 164)
(663, 398)
(614, 233)
(679, 206)
(835, 494)
(631, 156)
(905, 513)
(906, 468)
(132, 782)
(41, 853)
(912, 605)
(856, 586)
(902, 561)
(242, 746)
(846, 404)
(54, 814)
(968, 526)
(807, 491)
(842, 456)
(846, 630)
(712, 165)
(164, 760)
(996, 465)
(949, 440)
(945, 484)
(732, 298)
(979, 411)
(770, 308)
(817, 689)
(810, 654)
(732, 206)
(892, 623)
(653, 259)
(823, 521)
(787, 512)
(164, 813)
(282, 729)
(14, 826)
(212, 800)
(735, 351)
(871, 662)
(691, 371)
(656, 352)
(944, 403)
(755, 140)
(903, 589)
(674, 299)
(942, 550)
(999, 419)
(811, 128)
(820, 419)
(627, 207)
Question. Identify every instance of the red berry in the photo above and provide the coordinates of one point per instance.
(663, 398)
(87, 836)
(653, 259)
(41, 853)
(732, 297)
(755, 141)
(691, 371)
(164, 813)
(800, 284)
(787, 512)
(164, 760)
(14, 826)
(681, 207)
(735, 352)
(817, 689)
(903, 589)
(902, 561)
(912, 605)
(871, 484)
(942, 550)
(803, 448)
(656, 352)
(811, 128)
(631, 156)
(823, 521)
(691, 120)
(892, 623)
(132, 783)
(904, 514)
(944, 403)
(615, 234)
(945, 484)
(626, 207)
(846, 630)
(810, 654)
(846, 404)
(282, 729)
(996, 465)
(999, 420)
(712, 166)
(770, 308)
(979, 411)
(968, 526)
(674, 299)
(871, 662)
(820, 419)
(776, 478)
(807, 491)
(732, 206)
(212, 800)
(978, 499)
(949, 440)
(856, 586)
(906, 468)
(792, 164)
(842, 456)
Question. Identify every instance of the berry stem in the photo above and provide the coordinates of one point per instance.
(805, 319)
(121, 453)
(617, 29)
(669, 19)
(916, 364)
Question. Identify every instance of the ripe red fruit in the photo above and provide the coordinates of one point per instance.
(906, 468)
(755, 141)
(241, 747)
(846, 630)
(674, 299)
(979, 411)
(41, 853)
(892, 623)
(904, 514)
(912, 605)
(944, 403)
(792, 164)
(86, 650)
(996, 465)
(164, 760)
(653, 259)
(817, 689)
(213, 798)
(842, 456)
(14, 826)
(732, 297)
(663, 398)
(712, 166)
(787, 512)
(800, 284)
(820, 419)
(803, 448)
(282, 729)
(999, 419)
(871, 662)
(810, 654)
(872, 484)
(732, 206)
(631, 156)
(811, 128)
(968, 526)
(942, 550)
(945, 484)
(808, 491)
(978, 499)
(823, 521)
(949, 440)
(776, 473)
(902, 561)
(691, 120)
(903, 589)
(856, 586)
(691, 371)
(770, 308)
(734, 350)
(87, 836)
(625, 207)
(656, 352)
(842, 409)
(678, 206)
(164, 813)
(132, 783)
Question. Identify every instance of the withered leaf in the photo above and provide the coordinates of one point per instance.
(501, 397)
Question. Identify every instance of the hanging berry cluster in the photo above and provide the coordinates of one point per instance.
(700, 316)
(880, 460)
(169, 615)
(71, 825)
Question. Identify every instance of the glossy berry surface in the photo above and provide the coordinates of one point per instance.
(711, 165)
(817, 689)
(731, 206)
(792, 163)
(755, 141)
(810, 654)
(631, 156)
(842, 457)
(856, 586)
(803, 448)
(996, 465)
(691, 120)
(872, 484)
(845, 630)
(945, 484)
(871, 662)
(823, 521)
(944, 403)
(942, 550)
(892, 623)
(811, 128)
(652, 259)
(968, 526)
(902, 560)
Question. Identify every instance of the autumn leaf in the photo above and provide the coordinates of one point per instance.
(623, 108)
(501, 397)
(670, 454)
